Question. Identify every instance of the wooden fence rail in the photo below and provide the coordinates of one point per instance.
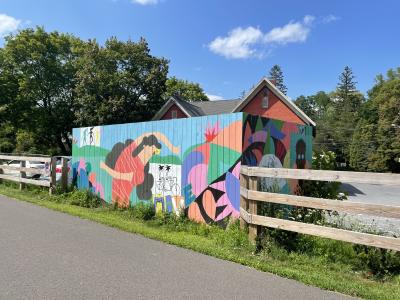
(250, 197)
(48, 170)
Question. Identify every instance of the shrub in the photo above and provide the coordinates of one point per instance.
(84, 198)
(380, 262)
(142, 211)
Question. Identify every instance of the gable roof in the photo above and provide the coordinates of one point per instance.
(217, 107)
(204, 108)
(265, 82)
(198, 108)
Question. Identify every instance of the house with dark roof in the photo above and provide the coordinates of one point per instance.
(264, 99)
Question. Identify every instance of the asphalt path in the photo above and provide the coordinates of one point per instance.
(375, 194)
(49, 255)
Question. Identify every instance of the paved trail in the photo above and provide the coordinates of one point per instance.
(50, 255)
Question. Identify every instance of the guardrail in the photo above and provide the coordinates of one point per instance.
(250, 196)
(48, 170)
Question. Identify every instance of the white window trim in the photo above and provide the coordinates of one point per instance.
(265, 99)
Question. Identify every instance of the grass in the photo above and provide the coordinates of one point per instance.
(318, 269)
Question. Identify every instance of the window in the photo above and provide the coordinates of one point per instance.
(174, 114)
(265, 99)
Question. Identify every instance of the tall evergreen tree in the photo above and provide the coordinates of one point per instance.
(276, 74)
(347, 105)
(347, 96)
(346, 84)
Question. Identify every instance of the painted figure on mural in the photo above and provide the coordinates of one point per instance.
(300, 164)
(300, 154)
(128, 165)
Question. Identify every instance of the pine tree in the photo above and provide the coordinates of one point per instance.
(276, 74)
(347, 107)
(347, 94)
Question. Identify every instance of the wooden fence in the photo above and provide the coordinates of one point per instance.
(42, 176)
(250, 197)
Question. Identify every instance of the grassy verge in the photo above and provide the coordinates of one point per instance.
(231, 244)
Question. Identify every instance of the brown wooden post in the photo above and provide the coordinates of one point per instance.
(22, 164)
(1, 170)
(244, 180)
(252, 209)
(64, 174)
(53, 165)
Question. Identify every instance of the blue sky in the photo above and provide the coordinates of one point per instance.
(227, 46)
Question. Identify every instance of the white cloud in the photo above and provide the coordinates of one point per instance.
(214, 97)
(238, 44)
(8, 24)
(329, 19)
(252, 42)
(291, 32)
(145, 2)
(308, 19)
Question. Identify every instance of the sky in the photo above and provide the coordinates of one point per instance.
(228, 46)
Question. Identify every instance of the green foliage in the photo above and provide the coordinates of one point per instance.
(376, 143)
(83, 198)
(40, 69)
(381, 262)
(187, 90)
(324, 160)
(346, 86)
(25, 142)
(142, 211)
(7, 137)
(276, 74)
(363, 134)
(291, 241)
(118, 83)
(336, 115)
(51, 82)
(315, 106)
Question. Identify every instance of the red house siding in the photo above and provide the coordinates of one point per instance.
(168, 114)
(276, 108)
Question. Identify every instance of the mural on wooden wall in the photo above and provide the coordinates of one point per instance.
(187, 165)
(276, 144)
(175, 165)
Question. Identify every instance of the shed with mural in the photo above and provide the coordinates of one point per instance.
(188, 164)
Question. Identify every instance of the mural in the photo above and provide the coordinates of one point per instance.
(187, 166)
(276, 144)
(182, 165)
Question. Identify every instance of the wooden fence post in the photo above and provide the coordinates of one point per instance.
(252, 208)
(64, 174)
(53, 166)
(1, 170)
(244, 180)
(22, 164)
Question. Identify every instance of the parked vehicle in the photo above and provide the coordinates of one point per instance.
(40, 166)
(28, 164)
(59, 168)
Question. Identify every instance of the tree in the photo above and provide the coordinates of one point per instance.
(320, 108)
(40, 70)
(342, 120)
(346, 84)
(376, 142)
(7, 137)
(276, 74)
(315, 106)
(347, 95)
(119, 83)
(187, 90)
